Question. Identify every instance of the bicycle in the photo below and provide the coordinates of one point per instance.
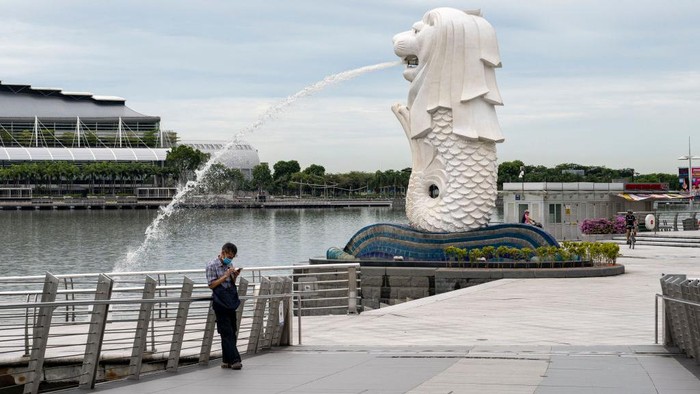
(632, 239)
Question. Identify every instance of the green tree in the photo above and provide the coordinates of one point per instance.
(283, 174)
(221, 179)
(315, 169)
(262, 176)
(285, 169)
(150, 138)
(67, 138)
(184, 160)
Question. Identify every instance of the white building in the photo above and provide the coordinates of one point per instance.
(561, 207)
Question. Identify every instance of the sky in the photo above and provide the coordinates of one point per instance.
(597, 82)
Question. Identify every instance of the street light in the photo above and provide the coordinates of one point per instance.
(690, 158)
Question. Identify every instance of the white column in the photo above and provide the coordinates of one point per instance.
(36, 131)
(77, 129)
(120, 132)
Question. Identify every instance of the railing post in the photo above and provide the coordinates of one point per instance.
(242, 292)
(691, 327)
(256, 327)
(298, 316)
(656, 319)
(352, 290)
(41, 336)
(180, 322)
(207, 337)
(26, 327)
(272, 331)
(141, 334)
(96, 332)
(693, 292)
(286, 326)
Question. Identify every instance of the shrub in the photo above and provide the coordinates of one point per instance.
(597, 226)
(489, 252)
(604, 226)
(597, 252)
(456, 253)
(619, 225)
(502, 251)
(475, 254)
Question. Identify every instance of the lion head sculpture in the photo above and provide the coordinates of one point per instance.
(451, 56)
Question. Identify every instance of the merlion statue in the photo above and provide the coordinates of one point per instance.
(450, 119)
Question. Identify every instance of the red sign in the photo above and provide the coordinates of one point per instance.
(646, 186)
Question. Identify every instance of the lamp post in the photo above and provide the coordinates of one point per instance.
(690, 158)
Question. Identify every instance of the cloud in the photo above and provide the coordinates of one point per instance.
(609, 83)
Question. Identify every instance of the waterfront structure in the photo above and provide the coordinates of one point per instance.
(43, 125)
(50, 124)
(562, 206)
(239, 154)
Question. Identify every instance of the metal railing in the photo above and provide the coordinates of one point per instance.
(79, 329)
(681, 314)
(669, 220)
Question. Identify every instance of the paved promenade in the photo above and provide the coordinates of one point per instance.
(588, 335)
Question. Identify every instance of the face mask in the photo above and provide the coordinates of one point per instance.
(226, 260)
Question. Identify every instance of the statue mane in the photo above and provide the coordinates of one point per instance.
(458, 73)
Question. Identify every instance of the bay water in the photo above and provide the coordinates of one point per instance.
(83, 241)
(91, 241)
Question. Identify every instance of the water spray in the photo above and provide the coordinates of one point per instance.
(153, 231)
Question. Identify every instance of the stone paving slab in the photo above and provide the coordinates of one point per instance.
(500, 369)
(583, 335)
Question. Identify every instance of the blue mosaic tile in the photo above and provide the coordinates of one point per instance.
(385, 240)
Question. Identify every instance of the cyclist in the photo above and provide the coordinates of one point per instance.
(630, 225)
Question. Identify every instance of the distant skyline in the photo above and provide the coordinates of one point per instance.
(614, 84)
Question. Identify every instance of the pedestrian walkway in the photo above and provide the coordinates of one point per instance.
(583, 335)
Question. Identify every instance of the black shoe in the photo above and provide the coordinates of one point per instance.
(236, 365)
(225, 365)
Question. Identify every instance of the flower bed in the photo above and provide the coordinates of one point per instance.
(603, 226)
(570, 254)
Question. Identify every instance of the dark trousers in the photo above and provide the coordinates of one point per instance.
(226, 327)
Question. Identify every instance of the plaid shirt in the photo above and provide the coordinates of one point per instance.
(215, 270)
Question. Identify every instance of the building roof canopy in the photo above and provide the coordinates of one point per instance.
(82, 154)
(23, 101)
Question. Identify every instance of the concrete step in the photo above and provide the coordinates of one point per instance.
(652, 240)
(670, 244)
(662, 240)
(661, 237)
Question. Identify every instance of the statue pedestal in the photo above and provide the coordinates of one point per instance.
(385, 241)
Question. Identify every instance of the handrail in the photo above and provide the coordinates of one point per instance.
(127, 301)
(656, 311)
(184, 271)
(28, 313)
(271, 326)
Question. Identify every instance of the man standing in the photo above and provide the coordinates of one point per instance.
(221, 277)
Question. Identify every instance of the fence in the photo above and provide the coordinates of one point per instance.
(669, 220)
(69, 330)
(681, 313)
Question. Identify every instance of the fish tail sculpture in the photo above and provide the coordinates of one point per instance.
(450, 119)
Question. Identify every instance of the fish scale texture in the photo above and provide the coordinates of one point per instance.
(465, 172)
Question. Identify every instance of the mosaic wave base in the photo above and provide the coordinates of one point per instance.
(384, 241)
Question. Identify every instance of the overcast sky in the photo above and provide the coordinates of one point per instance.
(599, 82)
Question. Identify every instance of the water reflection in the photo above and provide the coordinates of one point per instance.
(81, 241)
(98, 240)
